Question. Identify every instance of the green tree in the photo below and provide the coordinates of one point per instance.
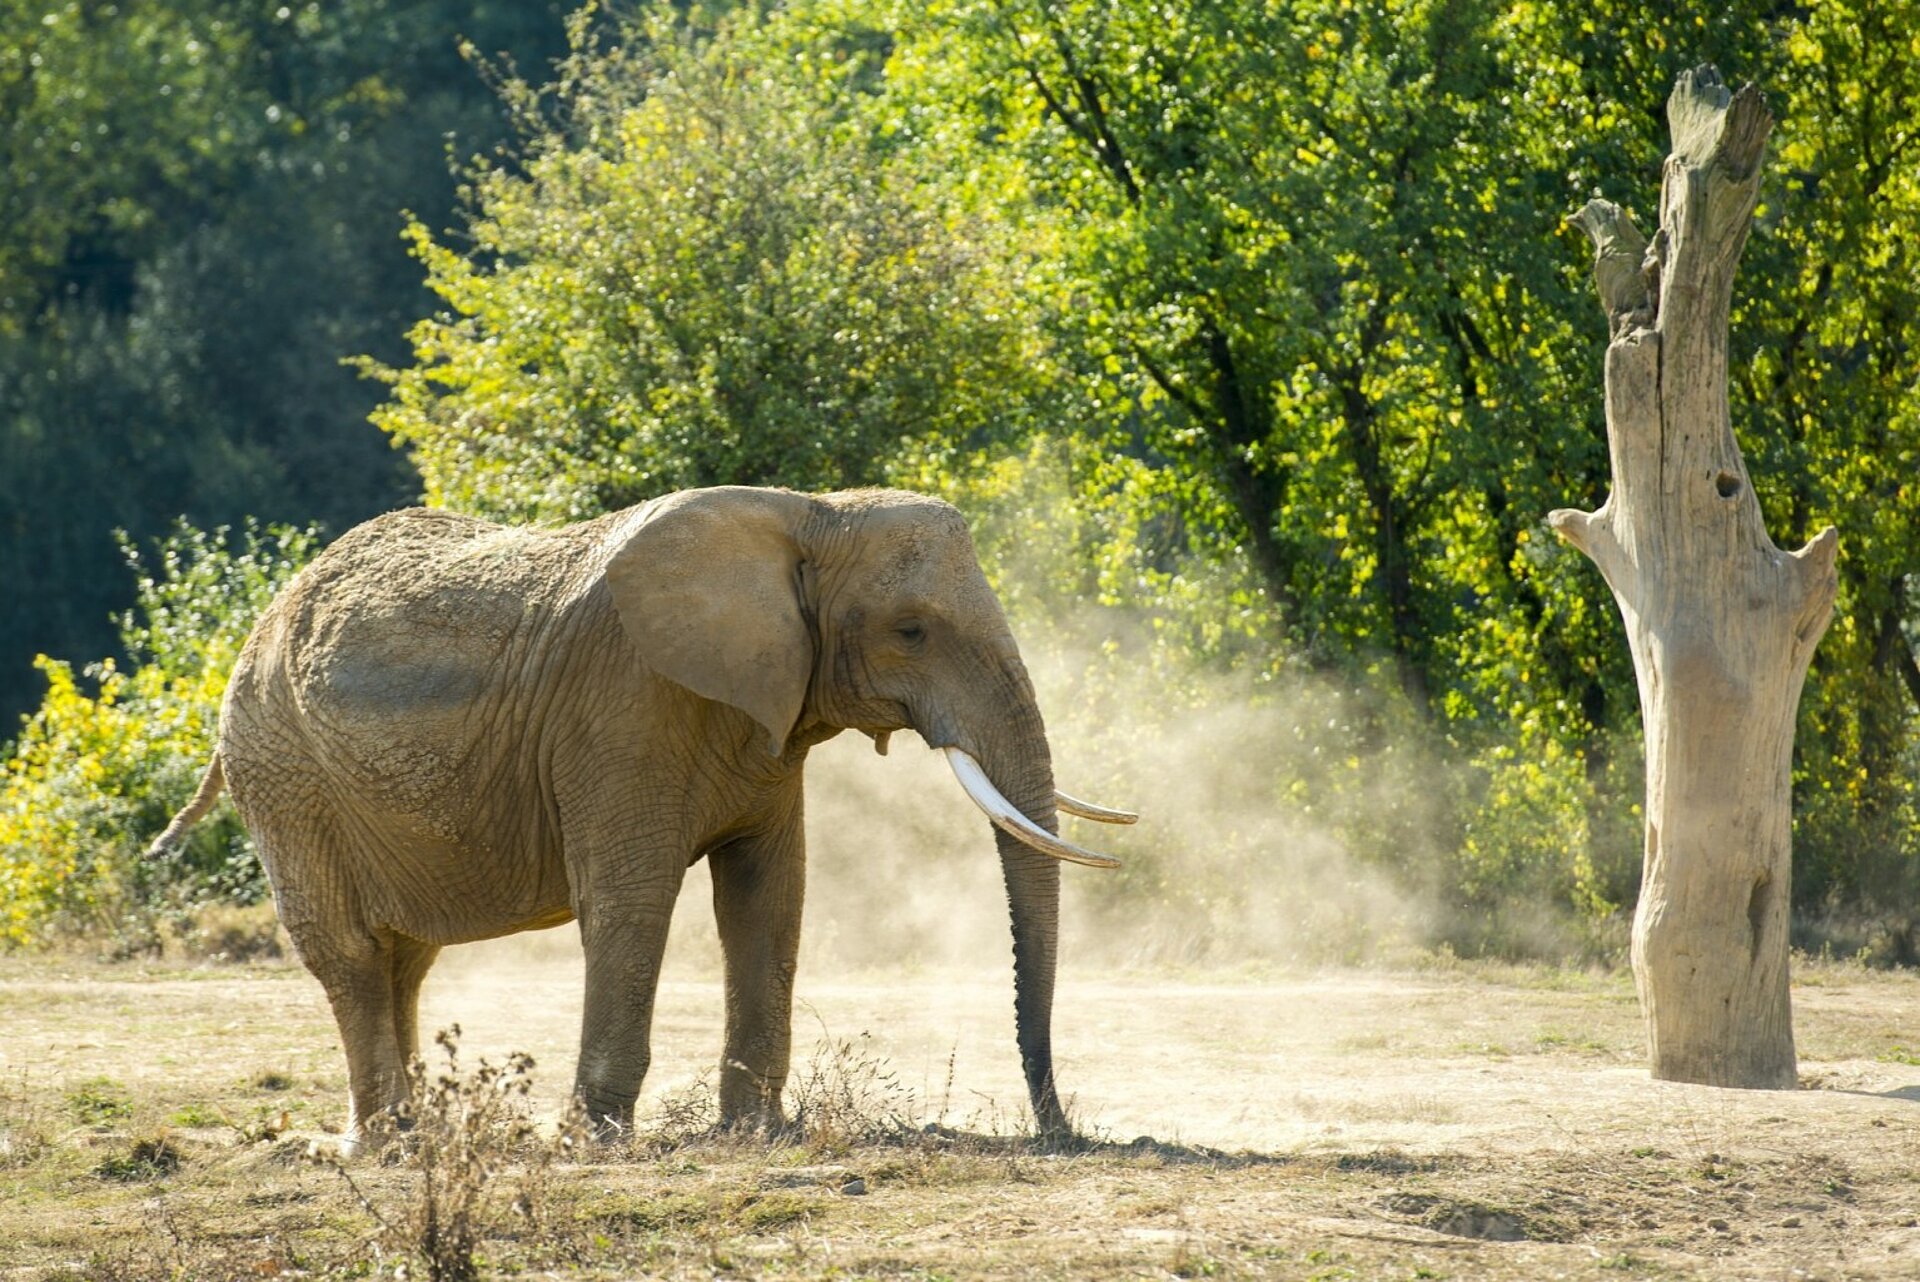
(1823, 393)
(704, 274)
(201, 219)
(1831, 388)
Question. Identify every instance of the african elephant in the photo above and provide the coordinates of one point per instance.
(446, 730)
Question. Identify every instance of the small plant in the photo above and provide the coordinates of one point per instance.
(99, 1102)
(1714, 1167)
(197, 1114)
(268, 1124)
(848, 1095)
(752, 1210)
(461, 1132)
(151, 1158)
(681, 1117)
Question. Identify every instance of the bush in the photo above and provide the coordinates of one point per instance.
(696, 272)
(96, 774)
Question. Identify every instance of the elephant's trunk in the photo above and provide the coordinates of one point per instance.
(1033, 898)
(1020, 766)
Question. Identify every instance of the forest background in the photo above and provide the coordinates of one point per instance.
(1249, 333)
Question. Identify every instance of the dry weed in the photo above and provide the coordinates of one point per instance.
(848, 1096)
(461, 1133)
(25, 1128)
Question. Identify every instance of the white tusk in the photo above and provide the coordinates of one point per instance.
(1008, 818)
(1087, 810)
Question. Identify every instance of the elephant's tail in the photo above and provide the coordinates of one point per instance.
(210, 784)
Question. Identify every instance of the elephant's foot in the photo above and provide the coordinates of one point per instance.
(1053, 1131)
(750, 1100)
(769, 1123)
(1062, 1140)
(609, 1120)
(379, 1133)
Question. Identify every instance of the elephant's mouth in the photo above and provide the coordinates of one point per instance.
(1007, 817)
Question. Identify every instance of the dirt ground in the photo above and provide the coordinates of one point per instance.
(1444, 1122)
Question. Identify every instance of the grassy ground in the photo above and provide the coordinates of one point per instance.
(1448, 1122)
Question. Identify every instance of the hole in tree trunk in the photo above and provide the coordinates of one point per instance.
(1757, 903)
(1727, 484)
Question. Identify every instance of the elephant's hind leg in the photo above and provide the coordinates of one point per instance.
(305, 844)
(360, 986)
(411, 961)
(364, 972)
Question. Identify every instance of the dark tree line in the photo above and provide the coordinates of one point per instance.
(200, 218)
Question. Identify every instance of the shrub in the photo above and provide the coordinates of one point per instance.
(700, 269)
(96, 773)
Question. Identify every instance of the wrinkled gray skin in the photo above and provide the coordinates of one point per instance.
(446, 730)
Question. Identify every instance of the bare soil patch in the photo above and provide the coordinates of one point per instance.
(1458, 1122)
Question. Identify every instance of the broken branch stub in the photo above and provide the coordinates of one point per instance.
(1721, 623)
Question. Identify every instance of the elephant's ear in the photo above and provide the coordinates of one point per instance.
(707, 587)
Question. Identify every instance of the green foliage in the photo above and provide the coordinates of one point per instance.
(702, 273)
(1830, 398)
(111, 114)
(94, 775)
(201, 218)
(1324, 299)
(1250, 333)
(99, 1101)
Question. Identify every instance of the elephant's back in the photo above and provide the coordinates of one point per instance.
(394, 666)
(408, 612)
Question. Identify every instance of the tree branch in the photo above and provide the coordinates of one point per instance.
(1255, 499)
(1175, 392)
(1105, 145)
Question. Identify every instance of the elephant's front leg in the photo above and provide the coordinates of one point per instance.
(759, 883)
(624, 912)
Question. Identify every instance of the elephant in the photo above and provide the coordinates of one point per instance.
(445, 730)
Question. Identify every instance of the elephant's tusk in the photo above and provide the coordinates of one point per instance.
(1087, 810)
(1007, 817)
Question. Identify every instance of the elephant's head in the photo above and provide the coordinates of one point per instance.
(868, 611)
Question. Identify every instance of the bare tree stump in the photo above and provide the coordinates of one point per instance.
(1722, 624)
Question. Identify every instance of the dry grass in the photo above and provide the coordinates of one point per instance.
(481, 1169)
(154, 1124)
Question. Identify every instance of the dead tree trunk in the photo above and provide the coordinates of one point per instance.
(1722, 624)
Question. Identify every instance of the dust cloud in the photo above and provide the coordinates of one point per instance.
(1248, 797)
(1280, 824)
(1235, 857)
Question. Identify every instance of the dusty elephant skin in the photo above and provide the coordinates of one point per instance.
(446, 730)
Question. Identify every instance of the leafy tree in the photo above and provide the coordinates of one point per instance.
(1823, 392)
(201, 220)
(703, 274)
(1319, 253)
(1831, 388)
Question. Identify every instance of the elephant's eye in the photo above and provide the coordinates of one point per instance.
(912, 633)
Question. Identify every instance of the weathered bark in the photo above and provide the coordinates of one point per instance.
(1721, 623)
